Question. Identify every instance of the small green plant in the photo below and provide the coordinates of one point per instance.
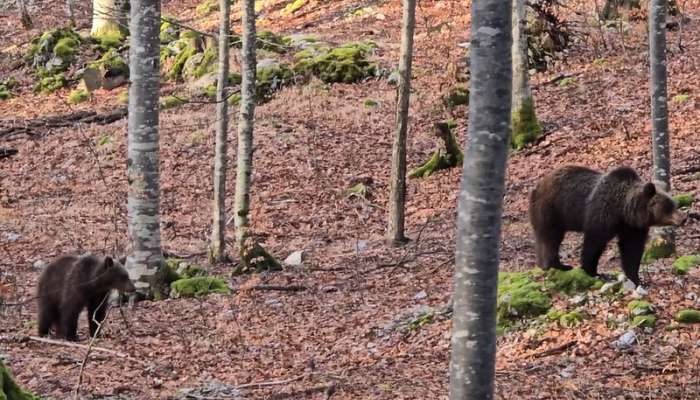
(688, 316)
(293, 6)
(369, 103)
(567, 81)
(680, 98)
(684, 200)
(198, 286)
(78, 96)
(684, 264)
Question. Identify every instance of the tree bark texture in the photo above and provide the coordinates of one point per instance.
(472, 363)
(246, 119)
(397, 192)
(217, 248)
(521, 84)
(109, 17)
(143, 146)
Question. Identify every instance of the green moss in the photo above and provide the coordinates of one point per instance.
(234, 99)
(66, 47)
(644, 321)
(207, 7)
(683, 264)
(688, 316)
(271, 78)
(421, 320)
(168, 32)
(78, 96)
(171, 102)
(526, 128)
(207, 64)
(111, 62)
(267, 40)
(123, 97)
(568, 81)
(571, 319)
(293, 6)
(4, 93)
(53, 51)
(684, 200)
(175, 71)
(458, 95)
(9, 390)
(369, 103)
(680, 98)
(520, 296)
(640, 307)
(50, 83)
(658, 248)
(198, 286)
(571, 282)
(452, 157)
(600, 61)
(347, 63)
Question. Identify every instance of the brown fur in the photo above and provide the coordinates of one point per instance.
(71, 283)
(602, 206)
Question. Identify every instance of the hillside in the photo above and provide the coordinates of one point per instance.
(63, 192)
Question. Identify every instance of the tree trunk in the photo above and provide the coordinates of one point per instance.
(109, 18)
(472, 365)
(397, 194)
(525, 126)
(217, 249)
(245, 124)
(70, 10)
(662, 243)
(143, 165)
(24, 16)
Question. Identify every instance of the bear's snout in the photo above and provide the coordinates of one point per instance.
(128, 287)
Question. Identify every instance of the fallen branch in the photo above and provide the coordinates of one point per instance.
(9, 128)
(260, 385)
(557, 350)
(85, 347)
(4, 153)
(290, 288)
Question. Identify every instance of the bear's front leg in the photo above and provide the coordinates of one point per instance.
(631, 243)
(594, 243)
(69, 321)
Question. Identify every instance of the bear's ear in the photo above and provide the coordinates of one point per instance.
(109, 263)
(649, 189)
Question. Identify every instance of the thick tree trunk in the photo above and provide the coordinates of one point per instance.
(662, 241)
(472, 365)
(525, 126)
(217, 249)
(143, 164)
(109, 18)
(397, 193)
(245, 124)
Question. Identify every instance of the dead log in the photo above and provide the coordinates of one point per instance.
(32, 127)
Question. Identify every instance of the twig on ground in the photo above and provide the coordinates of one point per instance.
(290, 288)
(270, 383)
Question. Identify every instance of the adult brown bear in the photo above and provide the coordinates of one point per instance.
(602, 206)
(71, 283)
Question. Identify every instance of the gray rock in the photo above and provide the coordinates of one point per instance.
(627, 340)
(295, 259)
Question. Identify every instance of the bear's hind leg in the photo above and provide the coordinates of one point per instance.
(631, 243)
(593, 247)
(48, 316)
(548, 250)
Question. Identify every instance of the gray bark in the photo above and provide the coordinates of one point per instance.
(142, 158)
(217, 249)
(521, 83)
(108, 16)
(397, 194)
(659, 111)
(472, 364)
(245, 124)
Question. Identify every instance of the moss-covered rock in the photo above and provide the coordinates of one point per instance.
(688, 316)
(9, 390)
(520, 296)
(348, 63)
(168, 31)
(53, 51)
(111, 63)
(254, 258)
(451, 157)
(78, 96)
(199, 64)
(458, 95)
(270, 41)
(50, 83)
(207, 7)
(271, 77)
(198, 286)
(658, 248)
(684, 200)
(526, 128)
(684, 264)
(175, 71)
(570, 282)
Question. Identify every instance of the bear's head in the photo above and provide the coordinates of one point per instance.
(115, 275)
(654, 207)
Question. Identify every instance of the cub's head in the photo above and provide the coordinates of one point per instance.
(116, 275)
(658, 208)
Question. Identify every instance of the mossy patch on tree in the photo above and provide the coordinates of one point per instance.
(658, 248)
(78, 96)
(347, 63)
(452, 155)
(570, 282)
(688, 316)
(526, 128)
(9, 389)
(198, 286)
(519, 296)
(684, 200)
(684, 264)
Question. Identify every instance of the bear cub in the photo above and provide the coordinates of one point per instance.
(71, 283)
(602, 206)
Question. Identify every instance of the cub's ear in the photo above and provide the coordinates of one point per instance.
(109, 263)
(649, 189)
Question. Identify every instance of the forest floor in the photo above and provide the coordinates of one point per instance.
(63, 193)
